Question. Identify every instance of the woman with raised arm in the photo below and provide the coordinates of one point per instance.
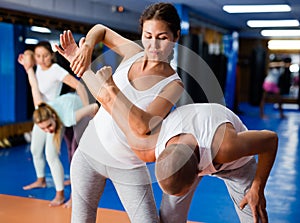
(50, 77)
(64, 111)
(146, 77)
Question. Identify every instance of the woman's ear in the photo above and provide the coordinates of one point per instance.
(53, 57)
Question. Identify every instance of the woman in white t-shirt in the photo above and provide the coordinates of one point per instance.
(50, 77)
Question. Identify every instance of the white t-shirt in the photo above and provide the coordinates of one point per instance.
(202, 121)
(113, 141)
(50, 81)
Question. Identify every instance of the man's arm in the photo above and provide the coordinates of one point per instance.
(234, 145)
(140, 127)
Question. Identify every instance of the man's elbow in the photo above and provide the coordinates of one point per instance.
(275, 140)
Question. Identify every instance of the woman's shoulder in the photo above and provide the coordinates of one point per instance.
(134, 57)
(58, 69)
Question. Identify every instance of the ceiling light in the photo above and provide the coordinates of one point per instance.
(40, 29)
(256, 8)
(31, 41)
(281, 32)
(273, 23)
(284, 44)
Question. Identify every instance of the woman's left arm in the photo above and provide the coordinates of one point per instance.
(89, 110)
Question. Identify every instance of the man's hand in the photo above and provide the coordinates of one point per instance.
(79, 57)
(257, 203)
(104, 75)
(98, 82)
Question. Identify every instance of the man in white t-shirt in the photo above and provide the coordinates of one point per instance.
(208, 139)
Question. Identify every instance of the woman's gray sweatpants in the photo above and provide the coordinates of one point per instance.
(175, 209)
(133, 186)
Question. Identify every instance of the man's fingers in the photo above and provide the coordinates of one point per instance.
(263, 215)
(105, 72)
(255, 215)
(243, 203)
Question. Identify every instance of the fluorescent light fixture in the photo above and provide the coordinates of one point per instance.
(273, 23)
(31, 41)
(281, 32)
(40, 29)
(284, 44)
(256, 8)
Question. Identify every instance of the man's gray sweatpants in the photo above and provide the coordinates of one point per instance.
(175, 209)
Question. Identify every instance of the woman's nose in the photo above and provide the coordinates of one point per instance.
(154, 43)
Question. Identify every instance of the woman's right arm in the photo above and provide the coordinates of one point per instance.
(27, 61)
(80, 57)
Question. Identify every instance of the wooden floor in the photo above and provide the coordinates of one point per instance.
(15, 209)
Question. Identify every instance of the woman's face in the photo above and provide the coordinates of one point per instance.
(48, 125)
(43, 57)
(158, 40)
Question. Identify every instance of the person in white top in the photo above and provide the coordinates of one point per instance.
(147, 78)
(50, 77)
(64, 111)
(195, 140)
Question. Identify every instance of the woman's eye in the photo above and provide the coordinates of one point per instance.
(162, 38)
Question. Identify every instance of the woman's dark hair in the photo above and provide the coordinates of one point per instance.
(164, 12)
(46, 45)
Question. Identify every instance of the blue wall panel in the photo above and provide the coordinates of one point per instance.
(21, 84)
(12, 92)
(7, 76)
